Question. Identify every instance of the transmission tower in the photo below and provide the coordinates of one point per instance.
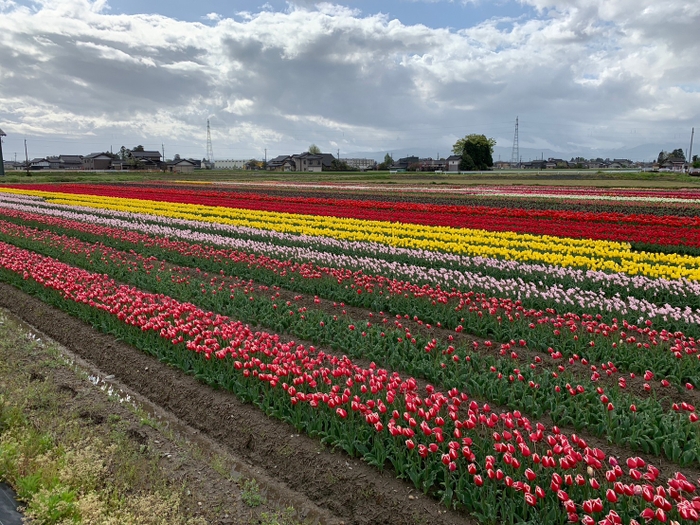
(210, 150)
(515, 156)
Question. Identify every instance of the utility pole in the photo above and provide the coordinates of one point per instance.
(163, 148)
(2, 162)
(690, 153)
(26, 157)
(266, 157)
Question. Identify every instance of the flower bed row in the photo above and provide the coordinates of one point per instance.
(640, 423)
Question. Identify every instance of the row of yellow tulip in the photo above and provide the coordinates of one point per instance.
(580, 253)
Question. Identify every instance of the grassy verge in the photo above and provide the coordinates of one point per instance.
(78, 451)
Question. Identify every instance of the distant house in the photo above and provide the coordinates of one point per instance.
(556, 164)
(534, 165)
(12, 166)
(621, 163)
(403, 163)
(302, 162)
(39, 164)
(71, 162)
(674, 164)
(501, 165)
(97, 161)
(312, 162)
(181, 166)
(147, 159)
(453, 162)
(281, 163)
(430, 164)
(65, 162)
(119, 164)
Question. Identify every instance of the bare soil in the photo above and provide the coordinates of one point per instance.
(323, 485)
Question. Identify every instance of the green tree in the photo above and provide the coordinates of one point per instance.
(124, 153)
(467, 163)
(314, 149)
(478, 147)
(339, 165)
(696, 161)
(388, 161)
(678, 153)
(138, 148)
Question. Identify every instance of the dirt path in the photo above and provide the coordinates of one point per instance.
(325, 486)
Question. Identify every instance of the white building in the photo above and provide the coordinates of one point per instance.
(230, 164)
(361, 164)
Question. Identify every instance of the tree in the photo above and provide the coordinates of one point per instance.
(124, 153)
(388, 161)
(696, 161)
(467, 163)
(176, 157)
(314, 149)
(478, 148)
(678, 153)
(339, 165)
(138, 148)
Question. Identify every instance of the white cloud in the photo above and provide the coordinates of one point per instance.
(326, 74)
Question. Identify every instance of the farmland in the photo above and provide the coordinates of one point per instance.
(510, 353)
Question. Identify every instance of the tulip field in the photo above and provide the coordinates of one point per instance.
(521, 354)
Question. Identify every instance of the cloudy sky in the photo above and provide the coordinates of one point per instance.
(78, 76)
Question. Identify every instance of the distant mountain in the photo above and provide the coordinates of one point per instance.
(643, 152)
(396, 154)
